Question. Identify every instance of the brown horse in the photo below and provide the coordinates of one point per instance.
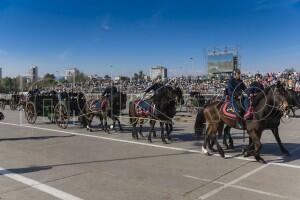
(161, 107)
(103, 108)
(266, 106)
(94, 108)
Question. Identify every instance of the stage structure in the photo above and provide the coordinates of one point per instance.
(222, 62)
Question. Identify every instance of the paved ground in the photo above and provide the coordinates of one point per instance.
(45, 162)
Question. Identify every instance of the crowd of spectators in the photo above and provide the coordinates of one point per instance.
(203, 85)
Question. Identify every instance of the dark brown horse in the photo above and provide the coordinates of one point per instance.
(266, 106)
(162, 108)
(103, 108)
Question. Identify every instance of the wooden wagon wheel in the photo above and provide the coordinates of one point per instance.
(61, 116)
(30, 112)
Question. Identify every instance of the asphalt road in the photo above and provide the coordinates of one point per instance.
(42, 161)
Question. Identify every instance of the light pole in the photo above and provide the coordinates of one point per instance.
(111, 94)
(192, 61)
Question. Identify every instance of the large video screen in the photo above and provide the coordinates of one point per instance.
(220, 63)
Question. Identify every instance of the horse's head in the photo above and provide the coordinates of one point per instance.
(280, 98)
(179, 94)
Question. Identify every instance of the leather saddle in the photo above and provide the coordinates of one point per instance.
(230, 111)
(144, 107)
(98, 105)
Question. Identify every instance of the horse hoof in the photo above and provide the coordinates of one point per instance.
(245, 153)
(287, 153)
(260, 159)
(222, 154)
(231, 146)
(165, 141)
(204, 151)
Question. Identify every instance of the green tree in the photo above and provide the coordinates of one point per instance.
(289, 70)
(49, 76)
(141, 75)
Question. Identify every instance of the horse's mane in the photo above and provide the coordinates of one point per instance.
(262, 94)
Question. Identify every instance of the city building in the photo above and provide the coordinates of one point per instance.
(0, 73)
(33, 73)
(71, 73)
(158, 71)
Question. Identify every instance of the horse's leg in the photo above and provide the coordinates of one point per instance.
(133, 131)
(114, 122)
(152, 124)
(89, 119)
(105, 124)
(162, 132)
(231, 146)
(119, 123)
(220, 150)
(140, 130)
(278, 140)
(293, 110)
(152, 129)
(249, 147)
(220, 131)
(167, 130)
(255, 136)
(100, 116)
(170, 131)
(206, 140)
(225, 136)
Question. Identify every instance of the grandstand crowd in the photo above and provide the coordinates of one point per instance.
(203, 85)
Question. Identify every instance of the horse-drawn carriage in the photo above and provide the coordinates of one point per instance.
(9, 99)
(57, 107)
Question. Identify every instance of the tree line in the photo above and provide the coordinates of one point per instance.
(19, 83)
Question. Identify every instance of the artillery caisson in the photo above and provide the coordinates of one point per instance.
(57, 107)
(12, 100)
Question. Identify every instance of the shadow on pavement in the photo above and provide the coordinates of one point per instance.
(34, 138)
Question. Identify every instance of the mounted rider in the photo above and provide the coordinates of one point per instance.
(235, 90)
(155, 87)
(256, 86)
(109, 91)
(290, 83)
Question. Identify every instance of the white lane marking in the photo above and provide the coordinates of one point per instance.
(286, 165)
(203, 179)
(37, 185)
(238, 187)
(146, 144)
(259, 191)
(229, 184)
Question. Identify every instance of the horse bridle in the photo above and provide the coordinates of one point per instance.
(281, 107)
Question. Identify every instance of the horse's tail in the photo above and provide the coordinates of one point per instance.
(199, 126)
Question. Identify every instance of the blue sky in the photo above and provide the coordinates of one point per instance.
(138, 34)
